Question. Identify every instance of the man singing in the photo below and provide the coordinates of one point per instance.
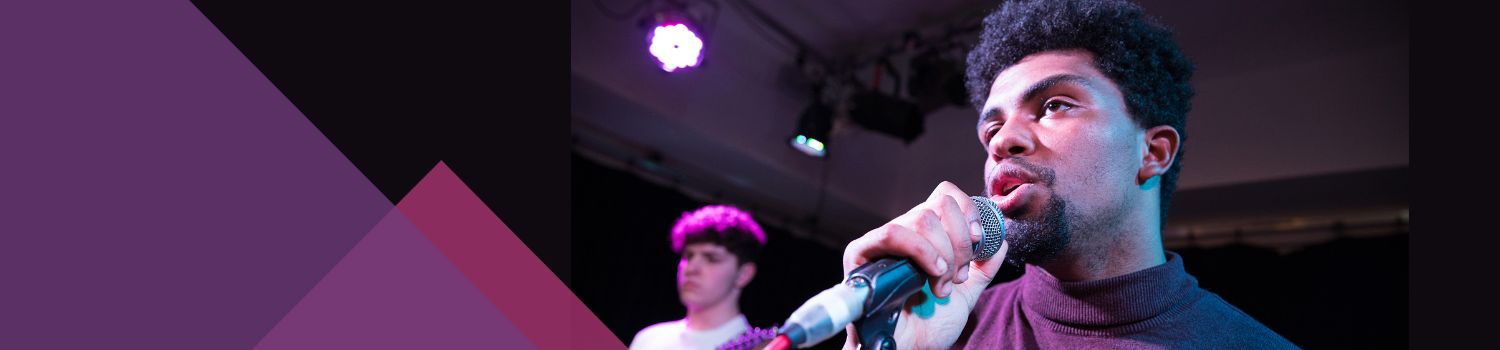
(1082, 110)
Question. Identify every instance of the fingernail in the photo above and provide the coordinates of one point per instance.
(942, 266)
(944, 289)
(963, 274)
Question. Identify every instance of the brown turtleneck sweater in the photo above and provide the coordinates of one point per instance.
(1156, 308)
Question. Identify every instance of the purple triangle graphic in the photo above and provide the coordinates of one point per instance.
(395, 290)
(159, 192)
(497, 261)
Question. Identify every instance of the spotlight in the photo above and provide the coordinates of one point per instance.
(674, 41)
(813, 129)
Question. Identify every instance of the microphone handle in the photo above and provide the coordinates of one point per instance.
(891, 281)
(873, 294)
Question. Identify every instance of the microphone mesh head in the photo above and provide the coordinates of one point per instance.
(994, 228)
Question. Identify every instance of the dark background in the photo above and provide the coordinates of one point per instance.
(398, 87)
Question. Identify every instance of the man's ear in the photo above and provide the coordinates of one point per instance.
(747, 272)
(1162, 142)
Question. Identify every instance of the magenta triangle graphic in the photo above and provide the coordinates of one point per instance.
(394, 290)
(501, 265)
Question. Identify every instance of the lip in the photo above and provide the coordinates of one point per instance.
(1011, 189)
(1006, 184)
(1009, 203)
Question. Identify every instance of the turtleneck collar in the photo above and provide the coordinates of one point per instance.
(1111, 306)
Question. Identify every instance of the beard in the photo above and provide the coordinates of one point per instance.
(1038, 238)
(1041, 237)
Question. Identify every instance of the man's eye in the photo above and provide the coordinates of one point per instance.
(989, 132)
(1055, 106)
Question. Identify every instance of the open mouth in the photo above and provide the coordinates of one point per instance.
(1009, 188)
(1008, 184)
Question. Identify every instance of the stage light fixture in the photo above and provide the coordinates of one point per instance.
(675, 41)
(813, 130)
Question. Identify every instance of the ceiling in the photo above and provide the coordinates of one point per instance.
(1285, 89)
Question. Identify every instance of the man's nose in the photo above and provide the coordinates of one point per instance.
(1014, 139)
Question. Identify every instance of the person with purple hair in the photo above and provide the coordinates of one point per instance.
(718, 245)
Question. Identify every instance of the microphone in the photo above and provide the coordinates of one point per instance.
(879, 285)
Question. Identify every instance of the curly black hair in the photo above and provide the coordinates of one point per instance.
(1133, 50)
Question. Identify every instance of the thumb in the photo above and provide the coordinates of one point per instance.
(981, 273)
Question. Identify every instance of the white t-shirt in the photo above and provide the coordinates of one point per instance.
(675, 335)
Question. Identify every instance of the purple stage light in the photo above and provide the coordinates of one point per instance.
(676, 46)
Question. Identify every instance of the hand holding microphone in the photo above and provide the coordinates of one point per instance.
(943, 242)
